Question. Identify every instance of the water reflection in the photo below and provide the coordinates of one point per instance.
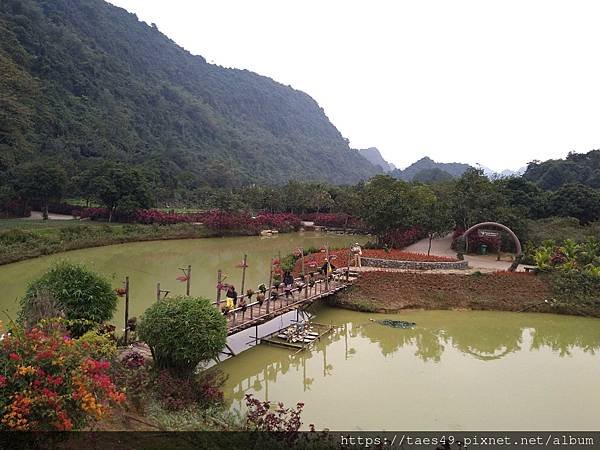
(483, 336)
(364, 374)
(487, 338)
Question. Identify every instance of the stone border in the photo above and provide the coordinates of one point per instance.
(416, 265)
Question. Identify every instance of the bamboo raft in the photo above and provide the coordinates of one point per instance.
(298, 336)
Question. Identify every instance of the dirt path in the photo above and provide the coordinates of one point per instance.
(37, 215)
(442, 246)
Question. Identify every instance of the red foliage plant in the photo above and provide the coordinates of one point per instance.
(401, 238)
(262, 417)
(50, 383)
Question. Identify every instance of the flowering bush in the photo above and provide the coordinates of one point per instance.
(49, 381)
(175, 393)
(261, 417)
(401, 238)
(475, 241)
(132, 375)
(280, 221)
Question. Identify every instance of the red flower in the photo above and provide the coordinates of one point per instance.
(15, 357)
(2, 381)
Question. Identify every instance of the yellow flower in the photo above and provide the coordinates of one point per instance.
(25, 370)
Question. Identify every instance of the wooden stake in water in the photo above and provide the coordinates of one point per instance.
(327, 265)
(270, 284)
(189, 280)
(219, 282)
(244, 265)
(126, 310)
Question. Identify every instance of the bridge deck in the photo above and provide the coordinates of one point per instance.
(255, 314)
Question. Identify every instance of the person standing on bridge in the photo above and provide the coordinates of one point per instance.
(288, 283)
(357, 252)
(231, 297)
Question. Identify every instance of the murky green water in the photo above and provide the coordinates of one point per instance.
(147, 263)
(456, 370)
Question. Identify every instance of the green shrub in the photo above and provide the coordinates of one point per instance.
(17, 236)
(77, 292)
(101, 345)
(74, 232)
(182, 332)
(574, 286)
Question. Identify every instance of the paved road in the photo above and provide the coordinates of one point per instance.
(441, 247)
(37, 215)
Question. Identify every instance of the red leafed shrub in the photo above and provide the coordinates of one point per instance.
(49, 382)
(279, 221)
(150, 216)
(261, 417)
(475, 241)
(401, 238)
(228, 221)
(93, 213)
(314, 261)
(399, 255)
(176, 393)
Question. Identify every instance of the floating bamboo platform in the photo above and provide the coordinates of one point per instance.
(315, 332)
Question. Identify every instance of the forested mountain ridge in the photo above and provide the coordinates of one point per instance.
(374, 156)
(84, 80)
(581, 168)
(427, 166)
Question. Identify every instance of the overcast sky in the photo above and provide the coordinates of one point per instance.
(495, 83)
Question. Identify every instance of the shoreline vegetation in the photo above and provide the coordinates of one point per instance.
(394, 292)
(20, 244)
(22, 239)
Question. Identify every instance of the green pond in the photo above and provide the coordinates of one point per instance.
(456, 370)
(147, 263)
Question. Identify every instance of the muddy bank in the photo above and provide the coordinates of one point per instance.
(501, 291)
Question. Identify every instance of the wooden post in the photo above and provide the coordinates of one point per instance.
(219, 281)
(126, 310)
(305, 278)
(326, 267)
(244, 273)
(302, 257)
(270, 285)
(348, 272)
(158, 292)
(189, 279)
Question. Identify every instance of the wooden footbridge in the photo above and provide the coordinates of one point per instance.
(278, 302)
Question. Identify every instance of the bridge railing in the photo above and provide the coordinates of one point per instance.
(319, 287)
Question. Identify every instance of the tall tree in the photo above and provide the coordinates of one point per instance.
(42, 182)
(119, 187)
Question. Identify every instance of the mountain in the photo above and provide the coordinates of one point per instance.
(581, 168)
(83, 80)
(427, 164)
(373, 155)
(504, 173)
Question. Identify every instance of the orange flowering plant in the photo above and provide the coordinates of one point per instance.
(49, 381)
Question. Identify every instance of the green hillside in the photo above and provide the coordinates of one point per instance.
(423, 167)
(581, 168)
(82, 80)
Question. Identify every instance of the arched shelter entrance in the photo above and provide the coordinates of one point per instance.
(496, 225)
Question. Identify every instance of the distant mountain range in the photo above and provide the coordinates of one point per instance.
(373, 155)
(427, 170)
(428, 165)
